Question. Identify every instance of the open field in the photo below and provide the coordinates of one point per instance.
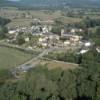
(67, 20)
(24, 17)
(53, 64)
(12, 57)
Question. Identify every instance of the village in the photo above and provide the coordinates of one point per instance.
(41, 36)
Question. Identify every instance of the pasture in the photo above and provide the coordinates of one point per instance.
(53, 64)
(10, 57)
(25, 17)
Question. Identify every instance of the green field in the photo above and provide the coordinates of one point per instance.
(10, 57)
(18, 16)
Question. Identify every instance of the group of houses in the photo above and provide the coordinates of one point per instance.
(49, 39)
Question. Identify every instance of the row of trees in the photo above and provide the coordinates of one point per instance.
(4, 21)
(3, 32)
(3, 29)
(88, 23)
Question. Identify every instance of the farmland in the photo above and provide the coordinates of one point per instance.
(53, 64)
(25, 17)
(10, 57)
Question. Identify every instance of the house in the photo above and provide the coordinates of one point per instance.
(44, 44)
(80, 30)
(84, 51)
(45, 29)
(87, 44)
(75, 38)
(36, 20)
(62, 32)
(66, 43)
(29, 48)
(35, 28)
(12, 31)
(73, 30)
(42, 39)
(98, 49)
(27, 39)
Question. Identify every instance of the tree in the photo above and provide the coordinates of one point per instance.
(56, 30)
(4, 21)
(3, 32)
(20, 40)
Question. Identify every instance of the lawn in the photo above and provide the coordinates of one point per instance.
(10, 57)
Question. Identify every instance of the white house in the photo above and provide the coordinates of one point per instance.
(29, 48)
(87, 44)
(73, 30)
(66, 43)
(62, 32)
(80, 30)
(98, 49)
(83, 51)
(44, 44)
(27, 39)
(45, 29)
(12, 31)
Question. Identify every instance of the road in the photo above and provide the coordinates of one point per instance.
(27, 65)
(33, 62)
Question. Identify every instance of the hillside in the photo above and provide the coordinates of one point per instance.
(52, 3)
(7, 3)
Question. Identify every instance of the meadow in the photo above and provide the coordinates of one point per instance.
(25, 17)
(10, 58)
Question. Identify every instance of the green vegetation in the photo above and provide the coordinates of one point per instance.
(43, 84)
(88, 22)
(65, 56)
(3, 32)
(95, 36)
(3, 29)
(52, 80)
(20, 39)
(4, 21)
(10, 57)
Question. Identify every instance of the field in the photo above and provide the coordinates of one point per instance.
(11, 57)
(52, 64)
(24, 17)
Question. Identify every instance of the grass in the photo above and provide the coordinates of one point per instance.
(69, 20)
(52, 64)
(41, 14)
(10, 58)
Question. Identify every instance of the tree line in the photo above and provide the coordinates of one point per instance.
(3, 28)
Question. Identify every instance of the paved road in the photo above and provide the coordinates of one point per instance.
(26, 66)
(33, 62)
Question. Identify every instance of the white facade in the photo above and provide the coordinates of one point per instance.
(83, 51)
(98, 50)
(27, 39)
(12, 32)
(87, 44)
(45, 29)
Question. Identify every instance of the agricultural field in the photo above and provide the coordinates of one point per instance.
(53, 64)
(25, 17)
(10, 57)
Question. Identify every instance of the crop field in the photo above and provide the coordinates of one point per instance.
(10, 57)
(25, 17)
